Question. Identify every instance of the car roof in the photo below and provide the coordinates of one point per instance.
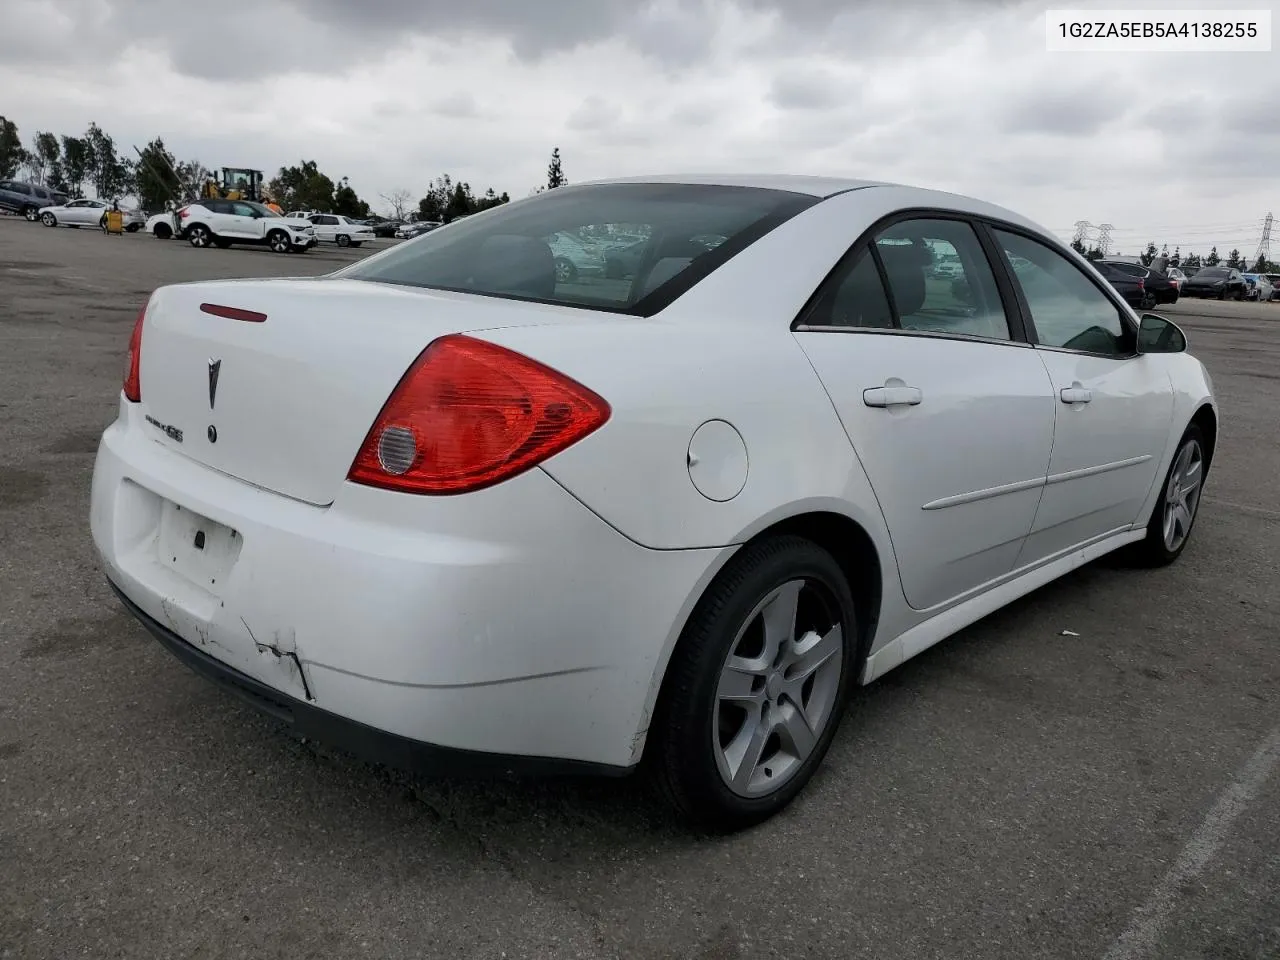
(795, 183)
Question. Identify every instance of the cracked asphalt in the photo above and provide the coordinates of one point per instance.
(1017, 791)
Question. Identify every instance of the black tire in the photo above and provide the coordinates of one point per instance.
(31, 213)
(1154, 550)
(49, 220)
(342, 240)
(163, 232)
(688, 721)
(133, 228)
(278, 241)
(1148, 301)
(198, 235)
(566, 272)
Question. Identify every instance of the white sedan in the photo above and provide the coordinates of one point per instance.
(335, 228)
(449, 512)
(87, 213)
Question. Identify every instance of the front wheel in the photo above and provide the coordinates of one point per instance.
(198, 235)
(343, 240)
(1175, 512)
(162, 232)
(279, 241)
(49, 220)
(756, 685)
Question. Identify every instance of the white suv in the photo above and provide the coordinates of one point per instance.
(221, 223)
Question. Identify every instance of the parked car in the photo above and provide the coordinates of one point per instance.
(1274, 280)
(574, 256)
(1159, 287)
(1132, 288)
(88, 213)
(17, 196)
(386, 229)
(1260, 288)
(493, 463)
(407, 231)
(221, 223)
(1177, 277)
(1224, 283)
(345, 232)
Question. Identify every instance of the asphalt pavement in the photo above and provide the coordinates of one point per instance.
(1088, 773)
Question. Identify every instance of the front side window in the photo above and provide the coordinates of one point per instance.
(940, 280)
(1067, 309)
(556, 247)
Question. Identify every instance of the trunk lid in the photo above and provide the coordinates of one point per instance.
(284, 403)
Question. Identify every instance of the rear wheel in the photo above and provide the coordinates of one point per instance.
(279, 241)
(163, 231)
(198, 235)
(1174, 515)
(49, 220)
(31, 213)
(756, 685)
(343, 240)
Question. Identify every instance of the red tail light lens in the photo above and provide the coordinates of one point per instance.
(184, 213)
(133, 362)
(470, 414)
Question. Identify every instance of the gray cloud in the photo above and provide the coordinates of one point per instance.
(460, 105)
(1075, 110)
(809, 89)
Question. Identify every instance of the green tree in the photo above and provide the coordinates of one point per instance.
(1148, 255)
(12, 153)
(1212, 260)
(1234, 260)
(111, 175)
(447, 200)
(157, 177)
(302, 187)
(1176, 259)
(1192, 262)
(1260, 265)
(45, 160)
(1094, 253)
(1078, 246)
(555, 172)
(192, 175)
(75, 164)
(347, 203)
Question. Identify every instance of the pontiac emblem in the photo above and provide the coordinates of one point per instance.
(214, 367)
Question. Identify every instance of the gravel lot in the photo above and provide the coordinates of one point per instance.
(1015, 792)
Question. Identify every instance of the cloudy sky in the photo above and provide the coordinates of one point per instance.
(955, 94)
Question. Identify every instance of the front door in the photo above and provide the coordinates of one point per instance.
(1114, 406)
(951, 416)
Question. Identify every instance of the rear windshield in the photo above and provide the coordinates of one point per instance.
(1212, 272)
(623, 247)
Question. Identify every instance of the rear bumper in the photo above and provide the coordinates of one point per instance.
(305, 719)
(510, 621)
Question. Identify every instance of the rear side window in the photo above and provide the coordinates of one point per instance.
(561, 246)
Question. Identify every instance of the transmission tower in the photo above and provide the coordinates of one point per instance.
(1264, 246)
(1104, 238)
(1082, 231)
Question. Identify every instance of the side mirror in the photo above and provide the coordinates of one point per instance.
(1158, 335)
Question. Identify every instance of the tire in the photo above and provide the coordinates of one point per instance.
(31, 213)
(198, 235)
(163, 232)
(279, 241)
(690, 756)
(49, 220)
(1158, 548)
(221, 243)
(566, 272)
(1148, 301)
(133, 228)
(342, 240)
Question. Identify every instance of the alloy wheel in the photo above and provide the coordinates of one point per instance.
(1182, 496)
(778, 687)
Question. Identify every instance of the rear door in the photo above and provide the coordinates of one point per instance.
(1114, 407)
(950, 412)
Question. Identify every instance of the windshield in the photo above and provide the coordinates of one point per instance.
(561, 246)
(1212, 272)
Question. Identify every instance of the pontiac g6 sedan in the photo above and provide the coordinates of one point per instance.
(453, 510)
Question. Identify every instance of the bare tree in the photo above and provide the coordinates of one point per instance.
(398, 201)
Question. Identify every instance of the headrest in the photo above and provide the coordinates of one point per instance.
(524, 266)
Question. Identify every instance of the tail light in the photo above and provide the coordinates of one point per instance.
(184, 213)
(133, 362)
(1142, 284)
(470, 414)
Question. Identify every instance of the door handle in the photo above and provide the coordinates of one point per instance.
(892, 396)
(1075, 394)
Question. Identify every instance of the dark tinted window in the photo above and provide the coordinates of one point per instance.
(940, 279)
(1067, 309)
(1129, 269)
(552, 247)
(1213, 273)
(855, 300)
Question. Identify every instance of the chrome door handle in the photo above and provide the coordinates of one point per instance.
(1075, 394)
(892, 396)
